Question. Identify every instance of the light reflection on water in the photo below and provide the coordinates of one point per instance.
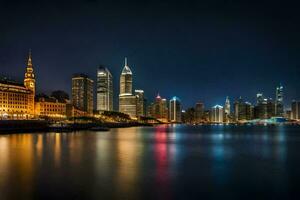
(163, 162)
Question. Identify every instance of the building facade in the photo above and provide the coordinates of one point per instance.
(243, 111)
(217, 114)
(159, 109)
(104, 89)
(127, 101)
(16, 99)
(50, 108)
(295, 112)
(175, 110)
(279, 106)
(140, 103)
(199, 112)
(82, 93)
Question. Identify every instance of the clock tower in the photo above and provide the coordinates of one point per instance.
(29, 80)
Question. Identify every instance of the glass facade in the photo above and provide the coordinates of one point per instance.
(104, 90)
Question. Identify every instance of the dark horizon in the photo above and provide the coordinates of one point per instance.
(196, 51)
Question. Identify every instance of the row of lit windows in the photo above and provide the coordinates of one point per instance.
(9, 106)
(51, 110)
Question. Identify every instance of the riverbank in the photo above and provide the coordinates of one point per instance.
(23, 126)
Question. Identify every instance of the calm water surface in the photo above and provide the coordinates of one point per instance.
(163, 162)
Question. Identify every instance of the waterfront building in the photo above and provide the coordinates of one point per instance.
(159, 109)
(243, 111)
(16, 99)
(265, 108)
(295, 112)
(279, 107)
(175, 110)
(50, 107)
(216, 114)
(104, 90)
(227, 106)
(140, 103)
(82, 93)
(127, 101)
(227, 110)
(199, 112)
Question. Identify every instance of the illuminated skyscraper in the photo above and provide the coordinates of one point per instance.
(126, 80)
(227, 106)
(140, 103)
(216, 114)
(127, 101)
(82, 92)
(159, 109)
(175, 110)
(279, 110)
(104, 89)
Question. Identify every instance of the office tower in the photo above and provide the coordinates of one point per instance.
(270, 108)
(126, 80)
(82, 93)
(227, 110)
(295, 112)
(216, 114)
(140, 103)
(104, 89)
(199, 112)
(175, 110)
(259, 98)
(242, 110)
(279, 110)
(17, 99)
(227, 106)
(127, 101)
(159, 109)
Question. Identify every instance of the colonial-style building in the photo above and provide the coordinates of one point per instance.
(17, 100)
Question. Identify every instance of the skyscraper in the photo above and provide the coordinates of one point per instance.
(82, 92)
(175, 110)
(227, 106)
(159, 109)
(140, 103)
(279, 107)
(104, 89)
(216, 114)
(242, 110)
(199, 112)
(126, 80)
(127, 101)
(295, 110)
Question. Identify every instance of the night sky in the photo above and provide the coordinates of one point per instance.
(197, 51)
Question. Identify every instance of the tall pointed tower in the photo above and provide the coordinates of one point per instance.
(227, 106)
(29, 80)
(126, 80)
(127, 101)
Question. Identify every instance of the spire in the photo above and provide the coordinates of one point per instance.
(126, 61)
(158, 96)
(29, 63)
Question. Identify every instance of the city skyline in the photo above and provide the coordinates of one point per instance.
(278, 90)
(212, 49)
